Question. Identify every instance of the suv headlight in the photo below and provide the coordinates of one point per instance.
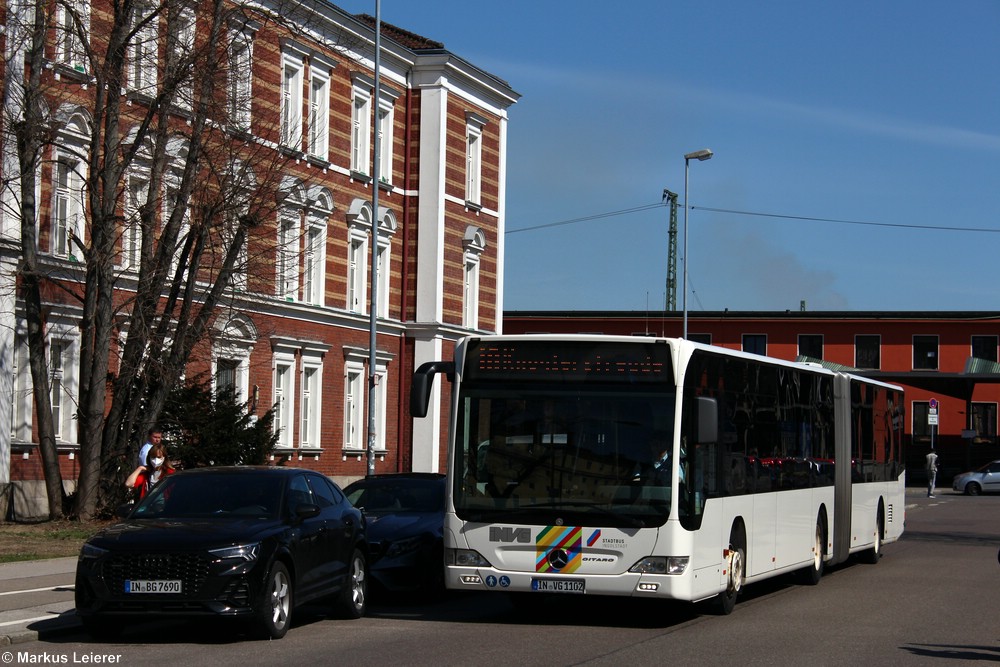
(90, 552)
(246, 552)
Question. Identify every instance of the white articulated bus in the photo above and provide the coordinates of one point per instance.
(659, 467)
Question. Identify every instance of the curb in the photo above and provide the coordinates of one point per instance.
(59, 626)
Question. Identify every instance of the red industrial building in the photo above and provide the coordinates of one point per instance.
(943, 358)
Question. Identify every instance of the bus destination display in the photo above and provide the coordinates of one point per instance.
(571, 361)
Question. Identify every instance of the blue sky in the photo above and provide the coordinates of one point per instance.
(864, 112)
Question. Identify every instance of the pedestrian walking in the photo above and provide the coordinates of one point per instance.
(932, 467)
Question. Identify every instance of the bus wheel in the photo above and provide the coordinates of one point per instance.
(725, 602)
(872, 556)
(812, 574)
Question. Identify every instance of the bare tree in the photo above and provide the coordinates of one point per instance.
(175, 238)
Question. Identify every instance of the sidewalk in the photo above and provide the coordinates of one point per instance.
(36, 600)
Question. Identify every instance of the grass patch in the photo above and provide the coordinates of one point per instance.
(17, 558)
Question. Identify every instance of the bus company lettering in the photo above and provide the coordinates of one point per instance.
(508, 534)
(613, 542)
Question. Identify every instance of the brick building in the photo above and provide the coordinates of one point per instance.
(949, 357)
(294, 329)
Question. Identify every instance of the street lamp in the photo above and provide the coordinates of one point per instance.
(701, 156)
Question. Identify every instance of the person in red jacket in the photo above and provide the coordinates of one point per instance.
(143, 478)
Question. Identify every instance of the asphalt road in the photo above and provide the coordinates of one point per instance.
(930, 601)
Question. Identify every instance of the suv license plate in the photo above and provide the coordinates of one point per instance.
(559, 585)
(153, 586)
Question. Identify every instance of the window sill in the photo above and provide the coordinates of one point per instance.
(318, 161)
(291, 152)
(77, 73)
(360, 176)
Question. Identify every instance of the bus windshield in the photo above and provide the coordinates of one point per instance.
(537, 452)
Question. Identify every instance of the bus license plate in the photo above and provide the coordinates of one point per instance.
(153, 586)
(559, 585)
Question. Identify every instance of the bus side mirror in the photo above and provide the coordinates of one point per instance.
(708, 420)
(423, 382)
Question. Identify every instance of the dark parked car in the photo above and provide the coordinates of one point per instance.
(242, 542)
(405, 513)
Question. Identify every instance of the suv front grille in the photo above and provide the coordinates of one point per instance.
(190, 568)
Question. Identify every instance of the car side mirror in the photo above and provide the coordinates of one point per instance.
(306, 511)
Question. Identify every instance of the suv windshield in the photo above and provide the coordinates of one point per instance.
(204, 495)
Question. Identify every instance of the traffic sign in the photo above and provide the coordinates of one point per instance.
(933, 403)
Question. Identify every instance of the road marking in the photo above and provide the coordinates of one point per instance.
(60, 587)
(30, 620)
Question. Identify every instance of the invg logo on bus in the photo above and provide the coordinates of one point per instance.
(507, 534)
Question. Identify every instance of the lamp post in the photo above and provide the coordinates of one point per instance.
(701, 156)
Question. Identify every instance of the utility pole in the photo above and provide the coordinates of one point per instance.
(671, 304)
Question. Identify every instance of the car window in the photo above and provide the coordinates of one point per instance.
(299, 493)
(995, 467)
(397, 497)
(323, 491)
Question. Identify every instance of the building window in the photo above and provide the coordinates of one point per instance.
(984, 347)
(67, 208)
(703, 338)
(240, 79)
(474, 243)
(354, 388)
(314, 274)
(925, 353)
(291, 102)
(171, 206)
(355, 403)
(385, 120)
(473, 163)
(73, 19)
(360, 131)
(919, 427)
(136, 190)
(21, 410)
(470, 296)
(384, 259)
(284, 399)
(755, 343)
(811, 345)
(867, 352)
(356, 268)
(234, 342)
(182, 59)
(56, 361)
(319, 113)
(288, 256)
(311, 404)
(984, 422)
(63, 360)
(143, 54)
(225, 375)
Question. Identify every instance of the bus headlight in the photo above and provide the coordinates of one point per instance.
(465, 558)
(661, 565)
